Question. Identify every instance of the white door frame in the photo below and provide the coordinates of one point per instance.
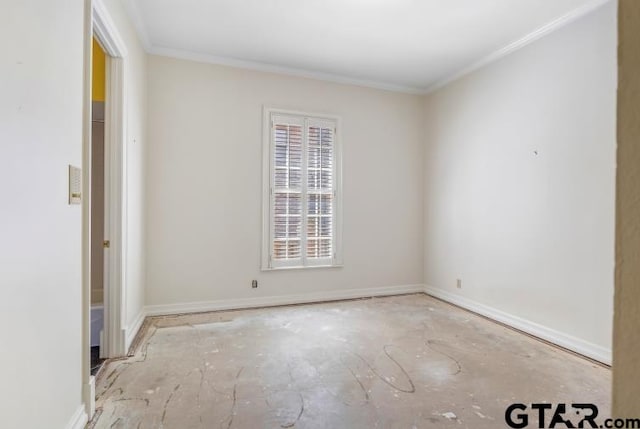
(114, 189)
(98, 22)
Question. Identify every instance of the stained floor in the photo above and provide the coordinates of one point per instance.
(397, 362)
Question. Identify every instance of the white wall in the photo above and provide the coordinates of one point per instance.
(41, 87)
(529, 234)
(205, 188)
(135, 123)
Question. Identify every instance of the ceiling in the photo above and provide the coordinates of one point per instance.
(406, 45)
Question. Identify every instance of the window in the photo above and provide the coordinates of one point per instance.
(302, 193)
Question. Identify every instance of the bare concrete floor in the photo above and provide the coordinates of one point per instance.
(398, 362)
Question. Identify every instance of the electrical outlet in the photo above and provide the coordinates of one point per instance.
(254, 284)
(459, 283)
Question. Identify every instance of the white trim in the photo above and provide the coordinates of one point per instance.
(266, 178)
(136, 17)
(107, 32)
(87, 399)
(284, 267)
(232, 304)
(282, 70)
(302, 119)
(115, 180)
(115, 202)
(537, 34)
(89, 396)
(132, 330)
(593, 351)
(78, 420)
(98, 22)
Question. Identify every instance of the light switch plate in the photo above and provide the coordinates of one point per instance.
(75, 185)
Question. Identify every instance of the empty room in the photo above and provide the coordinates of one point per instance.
(320, 214)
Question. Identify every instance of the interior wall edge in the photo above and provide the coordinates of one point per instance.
(278, 300)
(578, 345)
(515, 46)
(520, 203)
(245, 65)
(79, 419)
(132, 330)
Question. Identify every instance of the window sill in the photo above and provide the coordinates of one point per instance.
(300, 267)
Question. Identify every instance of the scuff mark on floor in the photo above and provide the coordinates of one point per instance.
(293, 423)
(234, 399)
(166, 404)
(387, 380)
(431, 343)
(393, 368)
(357, 379)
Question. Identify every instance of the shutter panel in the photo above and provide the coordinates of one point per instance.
(287, 189)
(320, 190)
(302, 211)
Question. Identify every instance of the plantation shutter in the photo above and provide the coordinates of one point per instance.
(302, 200)
(320, 191)
(286, 207)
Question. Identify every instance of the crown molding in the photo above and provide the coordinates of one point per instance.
(520, 43)
(289, 71)
(136, 18)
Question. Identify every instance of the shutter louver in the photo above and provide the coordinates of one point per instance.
(319, 192)
(302, 215)
(287, 191)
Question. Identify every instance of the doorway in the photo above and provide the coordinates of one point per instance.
(98, 239)
(104, 202)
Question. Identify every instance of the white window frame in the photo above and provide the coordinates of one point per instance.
(267, 187)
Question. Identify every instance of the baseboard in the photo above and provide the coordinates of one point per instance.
(271, 301)
(132, 330)
(89, 395)
(585, 348)
(78, 420)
